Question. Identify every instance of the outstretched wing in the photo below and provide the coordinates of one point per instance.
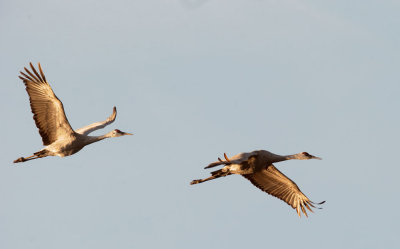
(99, 125)
(275, 183)
(48, 111)
(236, 159)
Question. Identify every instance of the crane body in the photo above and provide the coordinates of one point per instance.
(48, 112)
(258, 168)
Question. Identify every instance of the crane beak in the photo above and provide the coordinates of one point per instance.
(126, 133)
(315, 157)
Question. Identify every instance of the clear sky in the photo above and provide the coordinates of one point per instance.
(193, 79)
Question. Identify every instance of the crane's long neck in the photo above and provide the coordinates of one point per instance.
(279, 158)
(93, 139)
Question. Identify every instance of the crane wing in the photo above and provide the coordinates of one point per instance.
(98, 125)
(48, 111)
(275, 183)
(236, 159)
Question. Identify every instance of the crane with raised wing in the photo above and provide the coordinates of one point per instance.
(48, 112)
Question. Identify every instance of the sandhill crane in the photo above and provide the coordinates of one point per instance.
(258, 168)
(56, 132)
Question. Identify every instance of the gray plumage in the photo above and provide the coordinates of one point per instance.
(56, 132)
(258, 168)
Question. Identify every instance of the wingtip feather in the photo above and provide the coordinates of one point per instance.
(41, 72)
(304, 210)
(36, 73)
(31, 74)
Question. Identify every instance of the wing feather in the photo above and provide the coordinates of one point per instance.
(236, 159)
(48, 110)
(98, 125)
(32, 75)
(275, 183)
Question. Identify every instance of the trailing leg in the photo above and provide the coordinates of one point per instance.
(36, 155)
(214, 175)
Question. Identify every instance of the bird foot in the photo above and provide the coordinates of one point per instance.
(21, 159)
(195, 182)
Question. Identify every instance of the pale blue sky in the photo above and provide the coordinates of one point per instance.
(194, 79)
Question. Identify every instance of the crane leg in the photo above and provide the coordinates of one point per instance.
(214, 176)
(202, 180)
(35, 155)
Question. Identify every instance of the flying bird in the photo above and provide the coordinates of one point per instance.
(258, 168)
(48, 112)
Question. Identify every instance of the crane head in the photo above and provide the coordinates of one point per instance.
(118, 133)
(306, 156)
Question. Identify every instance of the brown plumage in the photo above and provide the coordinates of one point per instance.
(48, 111)
(257, 167)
